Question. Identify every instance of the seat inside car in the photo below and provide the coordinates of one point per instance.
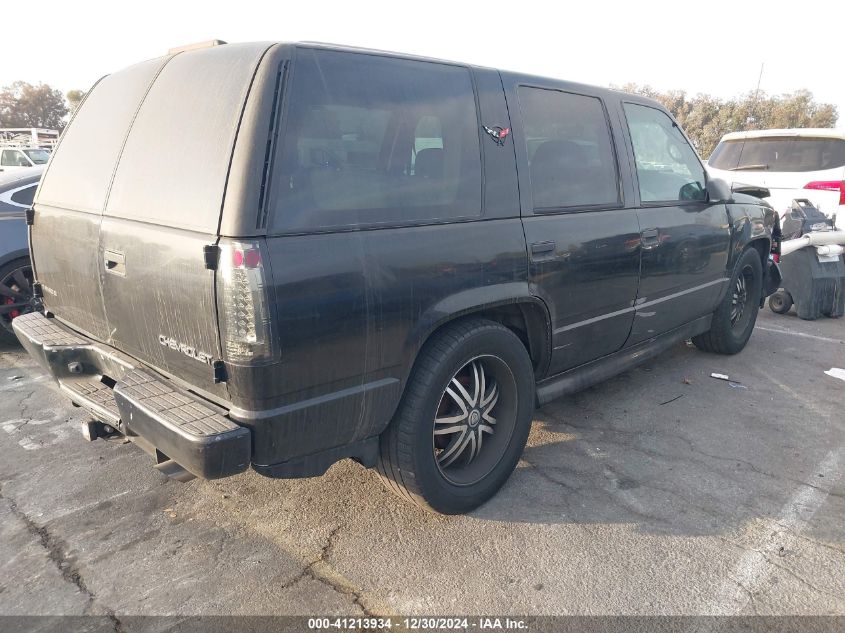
(429, 163)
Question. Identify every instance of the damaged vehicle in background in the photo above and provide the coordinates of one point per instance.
(379, 257)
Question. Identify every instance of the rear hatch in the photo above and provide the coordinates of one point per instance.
(793, 166)
(132, 199)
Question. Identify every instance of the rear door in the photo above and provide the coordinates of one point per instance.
(164, 208)
(73, 192)
(583, 243)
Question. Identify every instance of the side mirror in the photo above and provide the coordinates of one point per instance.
(718, 190)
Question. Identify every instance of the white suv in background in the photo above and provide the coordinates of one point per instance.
(808, 163)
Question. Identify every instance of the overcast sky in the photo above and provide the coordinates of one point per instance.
(710, 46)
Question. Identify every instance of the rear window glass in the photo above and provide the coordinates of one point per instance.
(173, 169)
(82, 167)
(375, 140)
(570, 152)
(789, 153)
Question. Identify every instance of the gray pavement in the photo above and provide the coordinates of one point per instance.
(661, 491)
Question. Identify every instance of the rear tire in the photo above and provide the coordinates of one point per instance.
(780, 302)
(463, 420)
(734, 319)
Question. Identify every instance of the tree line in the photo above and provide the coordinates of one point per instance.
(26, 105)
(704, 118)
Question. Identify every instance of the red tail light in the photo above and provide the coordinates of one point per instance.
(244, 305)
(829, 185)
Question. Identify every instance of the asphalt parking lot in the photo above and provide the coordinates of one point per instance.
(662, 491)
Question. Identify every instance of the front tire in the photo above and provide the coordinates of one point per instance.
(734, 319)
(463, 420)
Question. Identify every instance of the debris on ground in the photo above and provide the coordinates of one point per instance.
(836, 372)
(720, 376)
(14, 377)
(686, 380)
(737, 385)
(672, 400)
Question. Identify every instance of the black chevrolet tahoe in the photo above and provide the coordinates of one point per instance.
(278, 256)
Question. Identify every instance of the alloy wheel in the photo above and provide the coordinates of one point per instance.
(16, 296)
(474, 420)
(739, 302)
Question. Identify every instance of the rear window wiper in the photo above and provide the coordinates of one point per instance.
(748, 167)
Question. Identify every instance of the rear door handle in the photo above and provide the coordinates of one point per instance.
(650, 239)
(115, 263)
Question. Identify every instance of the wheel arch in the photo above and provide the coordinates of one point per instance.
(526, 316)
(763, 245)
(8, 258)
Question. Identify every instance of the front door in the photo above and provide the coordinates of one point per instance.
(583, 244)
(685, 239)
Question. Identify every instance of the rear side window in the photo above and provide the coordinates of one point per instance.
(373, 140)
(570, 153)
(668, 168)
(24, 196)
(82, 167)
(788, 153)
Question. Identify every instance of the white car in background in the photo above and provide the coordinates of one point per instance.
(15, 158)
(795, 163)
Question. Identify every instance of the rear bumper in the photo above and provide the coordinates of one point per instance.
(148, 409)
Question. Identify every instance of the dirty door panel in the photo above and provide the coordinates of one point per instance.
(164, 207)
(73, 193)
(160, 298)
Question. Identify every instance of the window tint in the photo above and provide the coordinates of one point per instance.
(374, 140)
(24, 196)
(667, 167)
(570, 153)
(779, 154)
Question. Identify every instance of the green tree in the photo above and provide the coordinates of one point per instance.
(706, 119)
(74, 98)
(25, 105)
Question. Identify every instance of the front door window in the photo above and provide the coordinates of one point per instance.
(668, 168)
